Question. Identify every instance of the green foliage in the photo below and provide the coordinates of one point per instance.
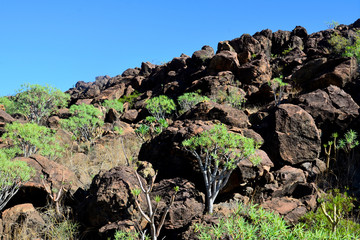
(36, 102)
(346, 47)
(218, 152)
(85, 122)
(160, 106)
(127, 235)
(278, 87)
(333, 215)
(189, 100)
(232, 97)
(151, 128)
(9, 105)
(332, 25)
(30, 138)
(252, 222)
(115, 104)
(130, 99)
(13, 173)
(286, 51)
(349, 141)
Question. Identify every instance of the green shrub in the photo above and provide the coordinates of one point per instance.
(252, 222)
(8, 104)
(346, 47)
(231, 97)
(85, 123)
(13, 173)
(218, 152)
(127, 235)
(115, 104)
(189, 100)
(151, 128)
(30, 138)
(333, 215)
(36, 102)
(160, 106)
(130, 99)
(278, 87)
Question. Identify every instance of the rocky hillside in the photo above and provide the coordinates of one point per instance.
(320, 96)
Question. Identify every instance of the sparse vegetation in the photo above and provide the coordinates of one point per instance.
(346, 47)
(232, 97)
(115, 104)
(218, 152)
(278, 87)
(85, 123)
(160, 107)
(189, 100)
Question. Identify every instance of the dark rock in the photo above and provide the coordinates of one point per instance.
(131, 72)
(255, 72)
(201, 57)
(296, 138)
(224, 61)
(280, 40)
(146, 68)
(213, 111)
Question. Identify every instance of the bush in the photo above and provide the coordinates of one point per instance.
(36, 102)
(12, 175)
(189, 100)
(115, 104)
(30, 138)
(85, 123)
(218, 152)
(252, 222)
(231, 97)
(160, 106)
(278, 87)
(130, 99)
(346, 47)
(8, 104)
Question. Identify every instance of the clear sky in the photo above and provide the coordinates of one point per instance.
(61, 42)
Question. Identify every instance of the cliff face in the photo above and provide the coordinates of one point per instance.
(321, 96)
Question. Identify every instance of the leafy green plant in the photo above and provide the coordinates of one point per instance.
(85, 123)
(231, 97)
(151, 128)
(332, 25)
(130, 98)
(152, 211)
(160, 106)
(278, 87)
(115, 104)
(346, 47)
(13, 174)
(286, 51)
(218, 152)
(8, 104)
(30, 138)
(129, 235)
(330, 148)
(333, 214)
(189, 100)
(36, 102)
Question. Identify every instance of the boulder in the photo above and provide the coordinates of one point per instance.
(255, 72)
(224, 61)
(201, 57)
(280, 40)
(323, 72)
(4, 119)
(209, 110)
(332, 109)
(296, 138)
(290, 208)
(22, 215)
(110, 199)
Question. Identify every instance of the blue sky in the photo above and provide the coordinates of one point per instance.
(62, 42)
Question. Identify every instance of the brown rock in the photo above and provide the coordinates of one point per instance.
(19, 215)
(224, 61)
(202, 56)
(84, 101)
(290, 208)
(114, 92)
(332, 108)
(130, 115)
(209, 110)
(296, 136)
(255, 72)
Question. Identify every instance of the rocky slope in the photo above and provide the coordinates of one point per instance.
(322, 97)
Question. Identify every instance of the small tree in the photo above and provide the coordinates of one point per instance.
(218, 152)
(12, 175)
(30, 138)
(160, 106)
(278, 87)
(115, 104)
(85, 123)
(189, 100)
(152, 211)
(36, 102)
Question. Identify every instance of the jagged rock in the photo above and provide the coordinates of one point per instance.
(53, 122)
(188, 204)
(255, 72)
(323, 72)
(111, 93)
(146, 68)
(246, 43)
(332, 108)
(209, 110)
(224, 61)
(130, 115)
(110, 199)
(201, 57)
(131, 72)
(4, 119)
(290, 208)
(280, 40)
(300, 32)
(52, 174)
(296, 138)
(264, 38)
(20, 215)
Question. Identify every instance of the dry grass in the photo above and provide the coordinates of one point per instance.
(104, 155)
